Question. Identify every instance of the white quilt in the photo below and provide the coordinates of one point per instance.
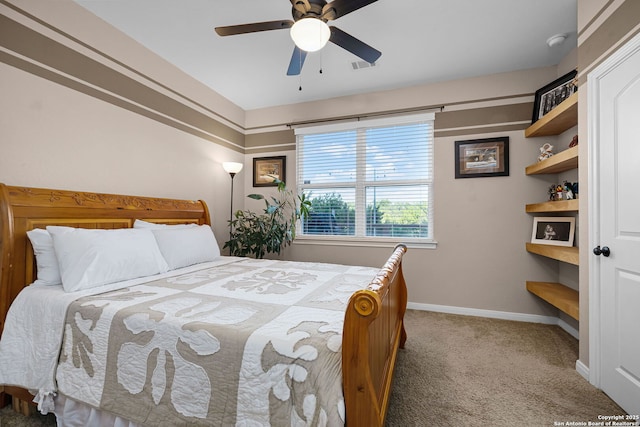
(242, 342)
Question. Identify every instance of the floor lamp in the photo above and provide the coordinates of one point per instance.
(232, 168)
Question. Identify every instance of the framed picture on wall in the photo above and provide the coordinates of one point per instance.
(482, 157)
(549, 96)
(555, 230)
(267, 169)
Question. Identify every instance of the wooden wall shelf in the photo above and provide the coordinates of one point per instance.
(557, 206)
(568, 254)
(556, 121)
(563, 161)
(558, 295)
(561, 118)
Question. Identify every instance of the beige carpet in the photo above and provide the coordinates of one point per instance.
(469, 371)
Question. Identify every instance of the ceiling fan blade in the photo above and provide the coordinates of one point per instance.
(253, 28)
(353, 45)
(297, 61)
(301, 6)
(338, 8)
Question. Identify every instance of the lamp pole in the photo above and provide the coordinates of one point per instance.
(232, 168)
(232, 174)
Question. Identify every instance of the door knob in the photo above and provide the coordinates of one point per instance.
(602, 251)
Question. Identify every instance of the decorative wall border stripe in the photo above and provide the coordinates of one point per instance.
(618, 28)
(53, 61)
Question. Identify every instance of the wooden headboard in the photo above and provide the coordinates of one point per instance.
(23, 209)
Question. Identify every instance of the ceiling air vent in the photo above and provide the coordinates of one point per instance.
(359, 65)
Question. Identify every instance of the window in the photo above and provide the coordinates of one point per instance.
(369, 179)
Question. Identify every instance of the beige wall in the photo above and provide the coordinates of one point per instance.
(53, 137)
(85, 108)
(76, 116)
(480, 224)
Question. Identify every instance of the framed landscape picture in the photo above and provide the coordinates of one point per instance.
(267, 169)
(482, 157)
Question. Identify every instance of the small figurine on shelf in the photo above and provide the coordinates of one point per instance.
(574, 141)
(552, 193)
(559, 192)
(574, 188)
(568, 190)
(546, 151)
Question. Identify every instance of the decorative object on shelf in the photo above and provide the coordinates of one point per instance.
(482, 157)
(566, 191)
(574, 141)
(267, 171)
(567, 188)
(549, 96)
(559, 192)
(546, 151)
(555, 230)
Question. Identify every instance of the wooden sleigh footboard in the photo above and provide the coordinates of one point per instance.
(373, 333)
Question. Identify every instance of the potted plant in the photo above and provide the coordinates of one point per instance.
(257, 234)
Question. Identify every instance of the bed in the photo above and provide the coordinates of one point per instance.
(372, 324)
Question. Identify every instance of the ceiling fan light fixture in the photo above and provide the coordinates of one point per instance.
(310, 34)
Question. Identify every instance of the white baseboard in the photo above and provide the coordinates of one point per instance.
(582, 369)
(504, 315)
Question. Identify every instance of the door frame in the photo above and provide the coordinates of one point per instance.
(594, 191)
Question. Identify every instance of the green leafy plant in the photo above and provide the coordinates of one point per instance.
(257, 234)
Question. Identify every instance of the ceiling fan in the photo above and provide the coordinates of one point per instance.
(315, 13)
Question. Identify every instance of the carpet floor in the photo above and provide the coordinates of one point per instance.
(471, 371)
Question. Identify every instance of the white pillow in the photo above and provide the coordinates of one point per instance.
(46, 260)
(185, 246)
(93, 257)
(138, 223)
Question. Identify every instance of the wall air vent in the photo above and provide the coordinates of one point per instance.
(359, 65)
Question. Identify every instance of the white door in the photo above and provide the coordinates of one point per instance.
(614, 96)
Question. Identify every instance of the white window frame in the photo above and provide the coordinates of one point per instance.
(360, 185)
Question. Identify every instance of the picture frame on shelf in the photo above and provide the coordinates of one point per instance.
(556, 230)
(552, 94)
(266, 170)
(478, 158)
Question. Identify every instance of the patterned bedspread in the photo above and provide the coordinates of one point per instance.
(248, 343)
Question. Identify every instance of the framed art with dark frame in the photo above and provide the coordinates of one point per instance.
(549, 96)
(553, 230)
(482, 157)
(267, 169)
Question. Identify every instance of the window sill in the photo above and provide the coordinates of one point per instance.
(369, 242)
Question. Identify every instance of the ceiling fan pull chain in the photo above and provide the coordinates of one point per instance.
(300, 75)
(320, 62)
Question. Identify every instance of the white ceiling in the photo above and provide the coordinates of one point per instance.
(422, 41)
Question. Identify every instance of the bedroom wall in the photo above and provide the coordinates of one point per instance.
(85, 108)
(88, 109)
(480, 265)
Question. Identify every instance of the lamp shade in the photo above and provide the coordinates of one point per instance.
(232, 167)
(310, 34)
